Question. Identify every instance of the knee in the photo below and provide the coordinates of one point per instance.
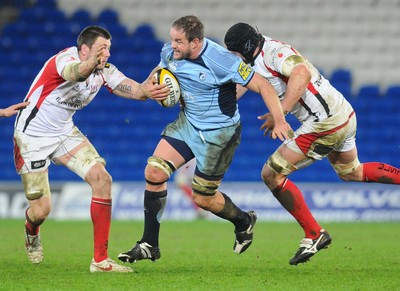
(98, 177)
(202, 201)
(276, 169)
(267, 175)
(155, 174)
(158, 170)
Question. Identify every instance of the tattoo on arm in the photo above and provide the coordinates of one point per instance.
(124, 88)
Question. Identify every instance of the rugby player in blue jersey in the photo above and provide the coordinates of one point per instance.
(207, 128)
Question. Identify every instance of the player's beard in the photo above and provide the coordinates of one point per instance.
(181, 55)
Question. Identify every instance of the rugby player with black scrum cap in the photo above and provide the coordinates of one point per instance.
(328, 129)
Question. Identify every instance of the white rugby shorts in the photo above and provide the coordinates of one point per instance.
(34, 153)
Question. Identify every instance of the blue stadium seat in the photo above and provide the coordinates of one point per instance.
(117, 30)
(341, 76)
(81, 16)
(343, 88)
(369, 92)
(16, 29)
(144, 31)
(393, 91)
(47, 4)
(108, 16)
(33, 14)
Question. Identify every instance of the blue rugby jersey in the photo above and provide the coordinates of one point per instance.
(208, 84)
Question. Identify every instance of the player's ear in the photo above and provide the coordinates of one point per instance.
(85, 49)
(195, 43)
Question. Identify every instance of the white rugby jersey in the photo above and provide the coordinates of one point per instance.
(320, 101)
(55, 100)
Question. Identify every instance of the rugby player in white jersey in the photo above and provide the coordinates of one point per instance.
(328, 129)
(45, 132)
(208, 129)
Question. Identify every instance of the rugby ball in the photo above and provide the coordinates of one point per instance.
(165, 76)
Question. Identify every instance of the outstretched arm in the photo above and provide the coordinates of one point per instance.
(131, 89)
(13, 109)
(281, 129)
(298, 72)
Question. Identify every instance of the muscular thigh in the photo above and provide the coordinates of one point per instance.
(213, 149)
(77, 154)
(336, 157)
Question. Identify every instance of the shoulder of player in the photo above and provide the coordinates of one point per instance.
(72, 50)
(214, 53)
(67, 55)
(167, 52)
(110, 68)
(275, 49)
(274, 45)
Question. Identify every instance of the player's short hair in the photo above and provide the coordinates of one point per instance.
(244, 39)
(90, 34)
(191, 25)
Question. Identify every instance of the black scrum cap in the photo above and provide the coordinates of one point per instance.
(244, 39)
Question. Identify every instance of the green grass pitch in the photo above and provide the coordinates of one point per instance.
(198, 255)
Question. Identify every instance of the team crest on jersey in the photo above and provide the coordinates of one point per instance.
(244, 70)
(202, 76)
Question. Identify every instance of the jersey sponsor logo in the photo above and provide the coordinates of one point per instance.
(272, 52)
(318, 82)
(75, 102)
(38, 164)
(244, 71)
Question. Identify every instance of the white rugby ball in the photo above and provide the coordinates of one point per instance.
(165, 76)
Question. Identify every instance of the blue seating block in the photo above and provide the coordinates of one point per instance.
(125, 132)
(369, 91)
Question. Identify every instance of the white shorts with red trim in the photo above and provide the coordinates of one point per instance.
(316, 140)
(34, 154)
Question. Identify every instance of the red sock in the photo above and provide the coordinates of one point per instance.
(100, 212)
(31, 227)
(292, 200)
(381, 173)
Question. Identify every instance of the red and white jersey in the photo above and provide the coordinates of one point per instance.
(55, 100)
(319, 102)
